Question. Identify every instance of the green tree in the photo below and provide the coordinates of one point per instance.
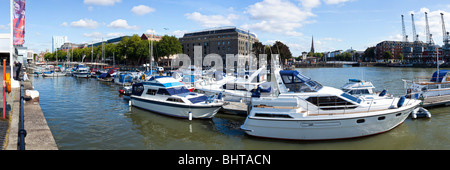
(387, 55)
(168, 45)
(369, 54)
(282, 49)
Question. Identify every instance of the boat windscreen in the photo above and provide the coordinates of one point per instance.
(352, 98)
(198, 99)
(173, 91)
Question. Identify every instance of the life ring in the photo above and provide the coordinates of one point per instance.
(8, 82)
(144, 77)
(447, 79)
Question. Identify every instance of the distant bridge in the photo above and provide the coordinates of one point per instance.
(342, 62)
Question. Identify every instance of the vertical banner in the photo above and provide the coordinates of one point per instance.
(19, 22)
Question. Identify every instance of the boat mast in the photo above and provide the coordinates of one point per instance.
(437, 63)
(151, 53)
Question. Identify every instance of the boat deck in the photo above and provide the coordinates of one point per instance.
(235, 108)
(436, 101)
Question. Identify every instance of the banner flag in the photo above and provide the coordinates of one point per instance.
(19, 22)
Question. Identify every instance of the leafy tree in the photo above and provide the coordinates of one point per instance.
(387, 55)
(369, 54)
(282, 49)
(168, 45)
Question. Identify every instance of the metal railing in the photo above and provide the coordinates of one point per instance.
(22, 133)
(312, 109)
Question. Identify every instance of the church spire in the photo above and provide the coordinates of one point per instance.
(312, 45)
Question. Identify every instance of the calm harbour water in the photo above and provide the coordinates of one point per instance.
(86, 114)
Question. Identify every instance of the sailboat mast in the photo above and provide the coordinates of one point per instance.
(437, 63)
(151, 53)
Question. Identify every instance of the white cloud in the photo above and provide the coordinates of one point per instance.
(278, 16)
(284, 16)
(2, 27)
(115, 34)
(84, 23)
(331, 39)
(142, 10)
(93, 35)
(64, 24)
(334, 2)
(434, 21)
(98, 36)
(179, 33)
(310, 4)
(212, 20)
(101, 2)
(121, 23)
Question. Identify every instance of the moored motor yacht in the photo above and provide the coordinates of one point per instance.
(53, 74)
(306, 110)
(167, 96)
(437, 85)
(82, 71)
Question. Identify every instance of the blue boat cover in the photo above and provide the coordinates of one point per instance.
(103, 75)
(294, 73)
(198, 99)
(439, 78)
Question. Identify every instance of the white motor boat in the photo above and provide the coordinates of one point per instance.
(82, 72)
(234, 89)
(53, 74)
(306, 110)
(437, 85)
(358, 87)
(167, 96)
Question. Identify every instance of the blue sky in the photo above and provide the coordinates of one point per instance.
(335, 24)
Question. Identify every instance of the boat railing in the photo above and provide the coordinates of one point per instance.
(346, 108)
(312, 109)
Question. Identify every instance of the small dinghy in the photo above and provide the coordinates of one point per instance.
(420, 112)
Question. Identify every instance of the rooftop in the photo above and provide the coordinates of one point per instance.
(218, 30)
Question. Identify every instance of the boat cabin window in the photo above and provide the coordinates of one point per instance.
(151, 92)
(162, 92)
(358, 91)
(173, 91)
(175, 100)
(300, 83)
(330, 102)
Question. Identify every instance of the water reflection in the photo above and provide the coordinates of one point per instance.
(89, 114)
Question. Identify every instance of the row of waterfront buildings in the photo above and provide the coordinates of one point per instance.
(233, 40)
(413, 52)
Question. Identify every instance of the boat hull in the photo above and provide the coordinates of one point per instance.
(54, 75)
(325, 129)
(175, 110)
(82, 75)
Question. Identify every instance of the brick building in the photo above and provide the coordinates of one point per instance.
(221, 41)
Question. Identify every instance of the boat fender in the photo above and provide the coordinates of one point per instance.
(207, 99)
(424, 89)
(383, 93)
(212, 98)
(401, 101)
(219, 97)
(8, 82)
